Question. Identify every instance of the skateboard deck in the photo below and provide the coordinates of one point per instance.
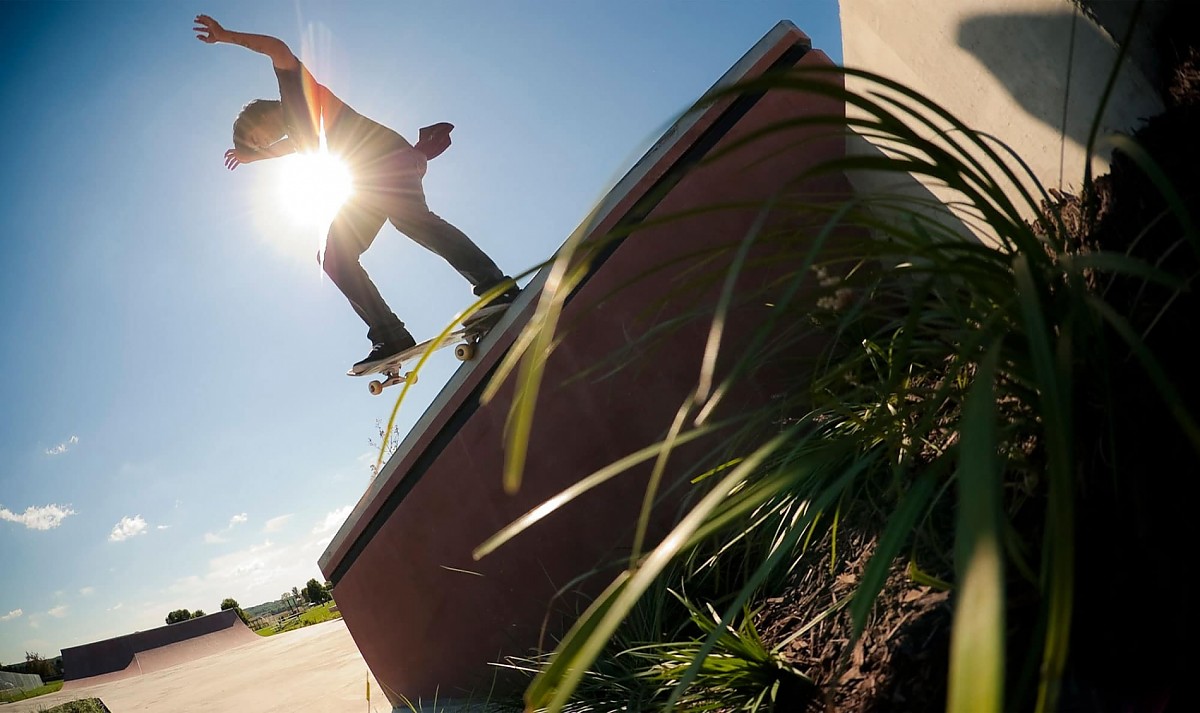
(464, 339)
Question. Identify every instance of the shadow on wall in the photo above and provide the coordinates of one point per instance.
(1114, 16)
(1031, 55)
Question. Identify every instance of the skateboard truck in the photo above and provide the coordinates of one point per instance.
(391, 378)
(463, 351)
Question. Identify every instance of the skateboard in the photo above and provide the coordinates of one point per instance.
(464, 338)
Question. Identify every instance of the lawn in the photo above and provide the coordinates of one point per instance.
(315, 615)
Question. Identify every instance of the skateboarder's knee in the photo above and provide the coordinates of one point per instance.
(337, 258)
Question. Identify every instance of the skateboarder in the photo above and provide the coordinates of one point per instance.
(387, 173)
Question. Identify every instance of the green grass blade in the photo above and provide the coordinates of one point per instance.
(1179, 208)
(584, 642)
(821, 501)
(891, 543)
(554, 684)
(1166, 390)
(976, 682)
(1059, 561)
(1094, 131)
(748, 360)
(1121, 264)
(433, 346)
(712, 348)
(533, 349)
(660, 466)
(582, 486)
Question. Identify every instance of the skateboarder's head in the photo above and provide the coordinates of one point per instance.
(259, 125)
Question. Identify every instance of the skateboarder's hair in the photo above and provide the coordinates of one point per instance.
(249, 116)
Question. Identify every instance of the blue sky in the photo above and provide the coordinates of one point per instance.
(177, 425)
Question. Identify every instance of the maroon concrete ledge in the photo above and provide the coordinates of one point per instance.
(428, 619)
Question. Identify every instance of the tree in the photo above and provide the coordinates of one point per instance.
(35, 664)
(198, 613)
(315, 592)
(178, 615)
(231, 603)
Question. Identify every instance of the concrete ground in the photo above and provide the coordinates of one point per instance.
(317, 668)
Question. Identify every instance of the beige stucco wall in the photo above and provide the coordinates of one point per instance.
(1030, 72)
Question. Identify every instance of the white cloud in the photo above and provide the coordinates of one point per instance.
(243, 564)
(62, 447)
(59, 611)
(276, 524)
(11, 615)
(161, 527)
(87, 591)
(116, 606)
(332, 520)
(128, 527)
(256, 573)
(46, 517)
(216, 538)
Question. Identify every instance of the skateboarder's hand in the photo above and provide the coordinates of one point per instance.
(235, 158)
(209, 30)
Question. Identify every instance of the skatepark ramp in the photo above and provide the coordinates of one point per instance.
(153, 650)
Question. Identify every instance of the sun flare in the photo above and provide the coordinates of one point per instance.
(313, 187)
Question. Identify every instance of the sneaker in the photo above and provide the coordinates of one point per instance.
(382, 351)
(492, 310)
(505, 297)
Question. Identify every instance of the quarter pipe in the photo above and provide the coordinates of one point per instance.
(153, 650)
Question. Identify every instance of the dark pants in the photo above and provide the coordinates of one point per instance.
(400, 199)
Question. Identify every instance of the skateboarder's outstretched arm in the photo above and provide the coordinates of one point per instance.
(210, 31)
(264, 138)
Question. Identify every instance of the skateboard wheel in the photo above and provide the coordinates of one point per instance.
(464, 352)
(375, 387)
(411, 377)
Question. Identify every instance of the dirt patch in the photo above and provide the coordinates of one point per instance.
(888, 669)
